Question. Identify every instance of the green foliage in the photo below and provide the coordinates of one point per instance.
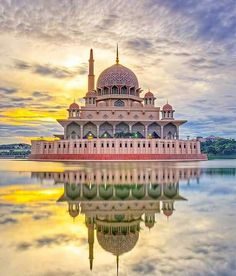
(219, 146)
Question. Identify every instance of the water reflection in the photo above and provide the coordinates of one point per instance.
(118, 200)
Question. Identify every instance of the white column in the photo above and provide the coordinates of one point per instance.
(81, 131)
(162, 128)
(97, 131)
(146, 131)
(130, 128)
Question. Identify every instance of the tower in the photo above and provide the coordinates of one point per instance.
(91, 76)
(90, 227)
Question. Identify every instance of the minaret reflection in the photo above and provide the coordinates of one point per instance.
(117, 199)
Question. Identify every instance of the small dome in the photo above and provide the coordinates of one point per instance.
(117, 74)
(167, 107)
(168, 212)
(74, 106)
(73, 210)
(91, 94)
(149, 95)
(149, 224)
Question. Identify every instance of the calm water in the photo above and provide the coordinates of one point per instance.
(130, 218)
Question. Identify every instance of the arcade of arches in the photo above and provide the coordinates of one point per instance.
(122, 130)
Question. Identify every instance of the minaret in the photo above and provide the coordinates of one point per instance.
(91, 242)
(91, 75)
(117, 265)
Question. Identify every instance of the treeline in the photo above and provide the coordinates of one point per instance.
(220, 146)
(15, 150)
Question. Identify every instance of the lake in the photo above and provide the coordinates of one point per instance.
(109, 218)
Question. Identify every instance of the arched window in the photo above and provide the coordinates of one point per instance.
(99, 91)
(114, 90)
(132, 91)
(124, 90)
(119, 103)
(105, 90)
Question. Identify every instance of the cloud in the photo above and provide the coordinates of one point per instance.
(42, 95)
(48, 241)
(8, 90)
(23, 246)
(58, 72)
(182, 50)
(140, 44)
(144, 268)
(41, 216)
(9, 221)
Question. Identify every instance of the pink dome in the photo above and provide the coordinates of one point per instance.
(91, 94)
(117, 74)
(167, 107)
(167, 212)
(74, 106)
(149, 95)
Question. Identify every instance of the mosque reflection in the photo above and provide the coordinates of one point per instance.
(117, 200)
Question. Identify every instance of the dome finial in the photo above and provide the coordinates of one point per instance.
(117, 54)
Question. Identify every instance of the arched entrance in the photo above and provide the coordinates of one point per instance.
(90, 130)
(104, 129)
(154, 131)
(139, 130)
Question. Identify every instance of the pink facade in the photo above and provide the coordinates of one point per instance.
(117, 123)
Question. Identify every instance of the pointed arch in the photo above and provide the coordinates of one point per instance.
(114, 89)
(154, 130)
(170, 131)
(106, 128)
(72, 131)
(119, 103)
(132, 91)
(124, 90)
(105, 90)
(89, 128)
(170, 190)
(122, 128)
(139, 128)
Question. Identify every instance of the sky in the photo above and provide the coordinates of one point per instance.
(184, 51)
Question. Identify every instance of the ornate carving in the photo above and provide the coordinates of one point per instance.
(117, 74)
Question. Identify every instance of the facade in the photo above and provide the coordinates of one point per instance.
(118, 123)
(118, 202)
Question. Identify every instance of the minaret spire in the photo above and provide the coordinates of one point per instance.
(117, 54)
(91, 76)
(117, 265)
(91, 242)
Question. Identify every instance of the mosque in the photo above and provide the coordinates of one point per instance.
(118, 201)
(118, 122)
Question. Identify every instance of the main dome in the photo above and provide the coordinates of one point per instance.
(117, 74)
(117, 244)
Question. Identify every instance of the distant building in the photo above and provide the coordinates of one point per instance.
(117, 123)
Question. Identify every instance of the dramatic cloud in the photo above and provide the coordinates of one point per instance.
(50, 70)
(184, 51)
(7, 90)
(55, 240)
(8, 221)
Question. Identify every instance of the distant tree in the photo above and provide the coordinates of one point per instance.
(220, 146)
